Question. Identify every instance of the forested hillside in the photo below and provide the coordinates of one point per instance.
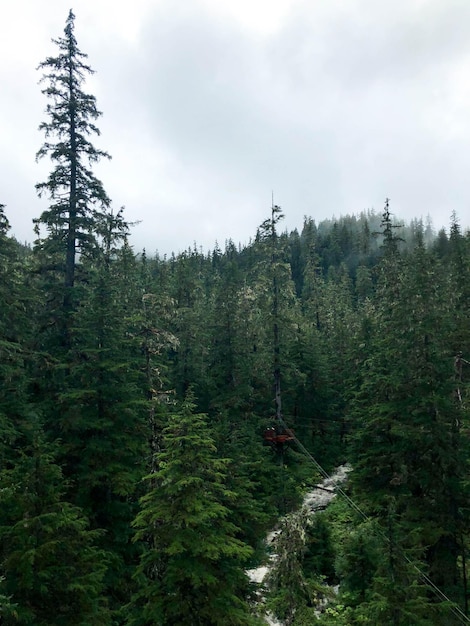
(151, 409)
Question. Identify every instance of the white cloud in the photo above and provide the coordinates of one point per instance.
(208, 106)
(258, 17)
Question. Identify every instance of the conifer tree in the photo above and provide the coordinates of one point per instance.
(459, 266)
(290, 591)
(101, 412)
(189, 296)
(77, 195)
(269, 236)
(53, 571)
(15, 331)
(91, 393)
(191, 569)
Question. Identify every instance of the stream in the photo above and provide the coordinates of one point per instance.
(317, 499)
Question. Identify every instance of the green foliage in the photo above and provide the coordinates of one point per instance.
(72, 114)
(296, 584)
(77, 195)
(190, 571)
(15, 331)
(53, 571)
(255, 476)
(407, 450)
(102, 408)
(319, 554)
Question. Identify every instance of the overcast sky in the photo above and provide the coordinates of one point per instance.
(210, 105)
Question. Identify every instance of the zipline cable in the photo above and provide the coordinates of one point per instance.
(454, 608)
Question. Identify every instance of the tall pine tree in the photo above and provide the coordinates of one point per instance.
(77, 195)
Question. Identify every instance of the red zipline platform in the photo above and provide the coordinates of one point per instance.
(272, 435)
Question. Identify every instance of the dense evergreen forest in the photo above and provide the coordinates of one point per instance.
(137, 481)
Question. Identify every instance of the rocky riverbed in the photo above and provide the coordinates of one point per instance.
(317, 499)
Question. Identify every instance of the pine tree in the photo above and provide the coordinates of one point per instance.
(101, 410)
(53, 571)
(190, 326)
(77, 195)
(459, 266)
(289, 590)
(191, 569)
(269, 236)
(280, 317)
(92, 393)
(15, 331)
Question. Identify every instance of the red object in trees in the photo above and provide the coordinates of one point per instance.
(271, 435)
